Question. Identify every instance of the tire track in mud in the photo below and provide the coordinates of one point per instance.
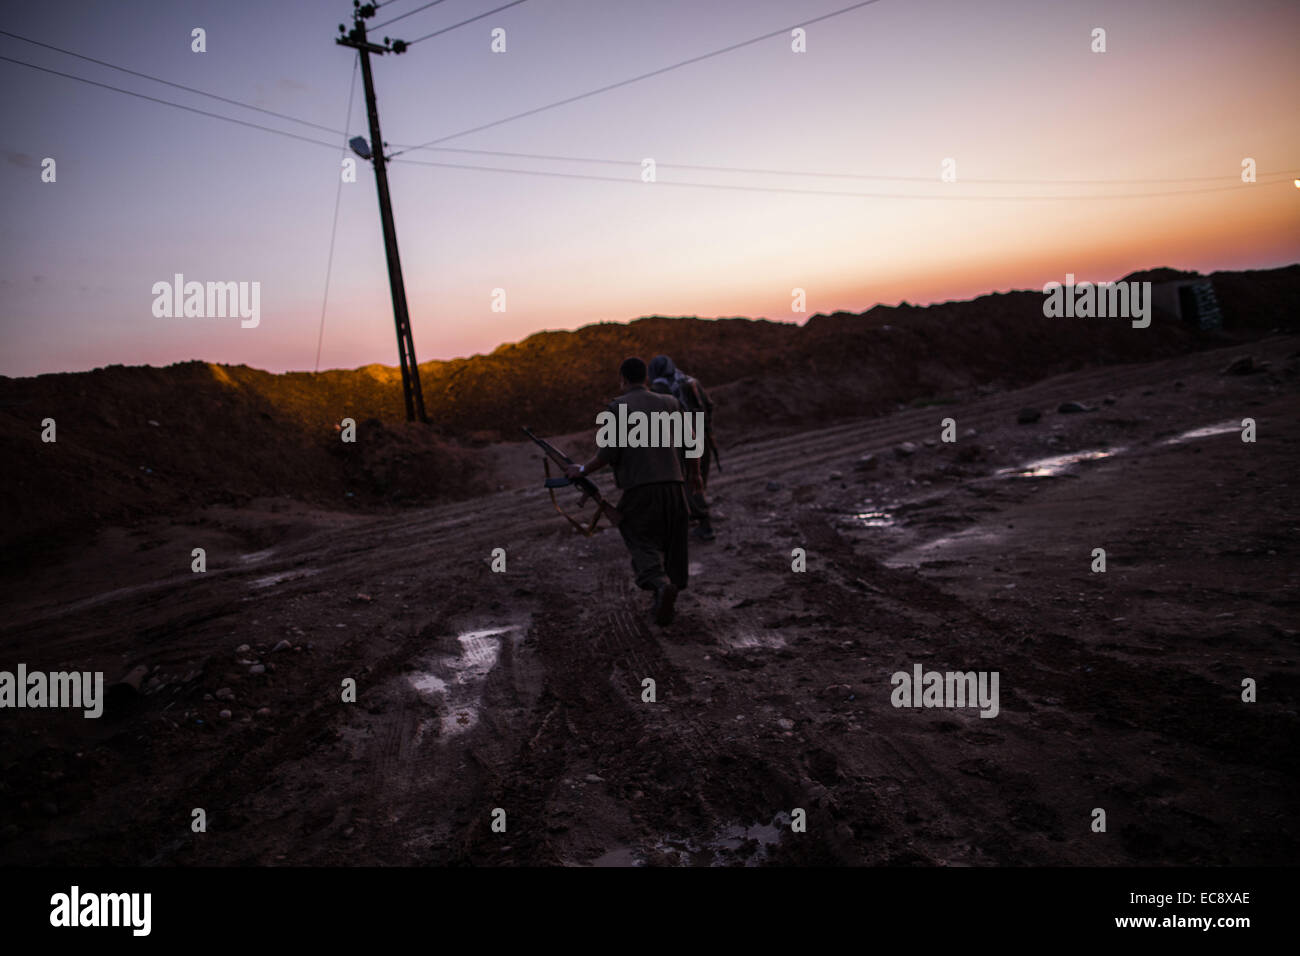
(871, 775)
(363, 783)
(590, 714)
(894, 426)
(577, 711)
(632, 646)
(855, 438)
(735, 785)
(460, 699)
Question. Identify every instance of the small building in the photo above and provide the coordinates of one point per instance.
(1191, 300)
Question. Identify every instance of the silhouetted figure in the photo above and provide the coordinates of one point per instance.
(656, 516)
(667, 379)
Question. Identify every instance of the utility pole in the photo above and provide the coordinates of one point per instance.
(356, 38)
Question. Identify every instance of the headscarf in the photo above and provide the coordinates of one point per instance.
(662, 367)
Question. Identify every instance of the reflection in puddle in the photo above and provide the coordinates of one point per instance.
(461, 689)
(1223, 428)
(271, 579)
(734, 837)
(750, 641)
(429, 684)
(619, 856)
(977, 539)
(874, 519)
(734, 845)
(1052, 467)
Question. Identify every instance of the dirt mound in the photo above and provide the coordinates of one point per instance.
(405, 462)
(133, 441)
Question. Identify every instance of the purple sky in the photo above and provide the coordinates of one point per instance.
(1011, 90)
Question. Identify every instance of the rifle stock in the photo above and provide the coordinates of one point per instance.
(583, 484)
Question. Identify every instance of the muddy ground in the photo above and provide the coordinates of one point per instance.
(523, 690)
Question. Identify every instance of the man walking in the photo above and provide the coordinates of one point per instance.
(656, 518)
(667, 379)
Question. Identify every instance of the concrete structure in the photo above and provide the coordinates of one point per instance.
(1191, 300)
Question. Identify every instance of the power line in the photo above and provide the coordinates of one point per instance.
(575, 159)
(156, 79)
(819, 192)
(698, 167)
(827, 175)
(643, 76)
(613, 179)
(334, 228)
(462, 23)
(179, 106)
(404, 15)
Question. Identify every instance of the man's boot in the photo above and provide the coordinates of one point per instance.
(665, 599)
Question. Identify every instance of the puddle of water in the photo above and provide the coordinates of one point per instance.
(751, 641)
(620, 856)
(429, 684)
(1209, 431)
(874, 519)
(271, 579)
(478, 655)
(971, 538)
(1057, 465)
(720, 849)
(461, 689)
(733, 837)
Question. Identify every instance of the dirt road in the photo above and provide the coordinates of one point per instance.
(523, 690)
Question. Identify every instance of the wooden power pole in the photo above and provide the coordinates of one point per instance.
(356, 38)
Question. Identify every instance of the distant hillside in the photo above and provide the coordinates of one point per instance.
(228, 433)
(832, 365)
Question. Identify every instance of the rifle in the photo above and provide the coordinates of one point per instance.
(582, 483)
(701, 401)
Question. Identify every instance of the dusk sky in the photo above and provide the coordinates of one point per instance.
(1010, 90)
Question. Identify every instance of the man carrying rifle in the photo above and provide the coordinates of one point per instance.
(656, 517)
(667, 379)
